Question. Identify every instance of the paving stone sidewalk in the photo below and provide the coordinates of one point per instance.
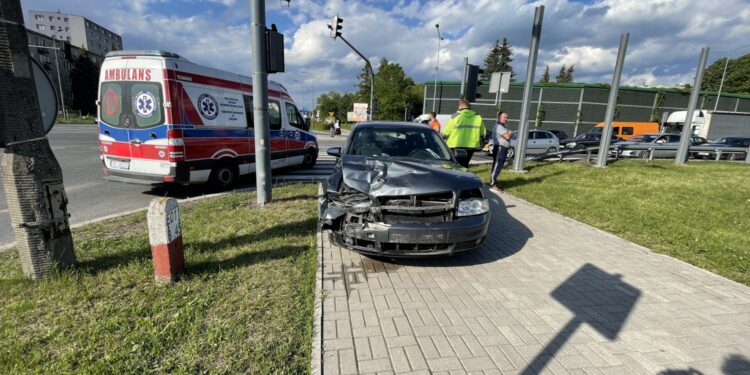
(543, 294)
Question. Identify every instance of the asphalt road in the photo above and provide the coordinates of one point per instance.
(77, 150)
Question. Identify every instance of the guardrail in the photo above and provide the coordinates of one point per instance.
(735, 153)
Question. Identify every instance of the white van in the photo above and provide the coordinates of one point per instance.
(164, 119)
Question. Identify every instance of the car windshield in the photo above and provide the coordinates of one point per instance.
(584, 136)
(415, 143)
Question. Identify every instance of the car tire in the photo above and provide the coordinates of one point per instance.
(310, 158)
(511, 152)
(551, 150)
(643, 154)
(223, 175)
(733, 156)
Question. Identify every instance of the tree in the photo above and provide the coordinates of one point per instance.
(84, 80)
(392, 91)
(337, 103)
(498, 59)
(737, 79)
(545, 75)
(541, 114)
(561, 75)
(569, 74)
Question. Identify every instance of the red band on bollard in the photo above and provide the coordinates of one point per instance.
(165, 237)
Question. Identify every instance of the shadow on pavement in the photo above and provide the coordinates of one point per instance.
(735, 364)
(505, 237)
(596, 298)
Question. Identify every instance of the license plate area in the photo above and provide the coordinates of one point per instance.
(122, 164)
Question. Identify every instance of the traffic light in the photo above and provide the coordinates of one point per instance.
(335, 26)
(472, 82)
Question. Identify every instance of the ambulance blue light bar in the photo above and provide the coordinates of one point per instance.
(143, 53)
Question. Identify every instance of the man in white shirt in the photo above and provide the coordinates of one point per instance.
(500, 142)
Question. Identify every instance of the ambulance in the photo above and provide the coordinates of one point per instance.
(164, 119)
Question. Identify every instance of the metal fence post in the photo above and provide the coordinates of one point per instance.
(687, 127)
(601, 160)
(578, 112)
(523, 125)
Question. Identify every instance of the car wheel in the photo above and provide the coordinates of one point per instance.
(223, 176)
(511, 152)
(643, 154)
(551, 150)
(310, 158)
(733, 156)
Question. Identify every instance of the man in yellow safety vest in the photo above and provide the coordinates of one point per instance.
(465, 131)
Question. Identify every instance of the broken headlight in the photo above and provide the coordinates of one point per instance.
(472, 206)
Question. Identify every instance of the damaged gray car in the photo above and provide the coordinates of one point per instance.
(397, 191)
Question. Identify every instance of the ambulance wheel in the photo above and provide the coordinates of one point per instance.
(223, 176)
(310, 158)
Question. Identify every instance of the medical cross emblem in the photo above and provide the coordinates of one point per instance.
(208, 107)
(145, 104)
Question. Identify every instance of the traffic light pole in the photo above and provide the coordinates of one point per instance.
(372, 73)
(523, 126)
(260, 105)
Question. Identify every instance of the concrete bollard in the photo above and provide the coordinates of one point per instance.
(165, 237)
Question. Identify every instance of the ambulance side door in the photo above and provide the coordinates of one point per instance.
(277, 127)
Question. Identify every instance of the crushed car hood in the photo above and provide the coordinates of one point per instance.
(392, 177)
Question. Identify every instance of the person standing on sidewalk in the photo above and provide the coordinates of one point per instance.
(464, 131)
(500, 142)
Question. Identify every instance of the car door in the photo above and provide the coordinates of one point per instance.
(278, 140)
(295, 142)
(532, 145)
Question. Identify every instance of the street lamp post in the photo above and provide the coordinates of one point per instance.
(437, 65)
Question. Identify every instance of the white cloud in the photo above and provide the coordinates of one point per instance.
(665, 41)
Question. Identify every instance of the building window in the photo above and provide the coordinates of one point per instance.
(65, 19)
(51, 18)
(51, 27)
(67, 29)
(68, 39)
(39, 17)
(40, 27)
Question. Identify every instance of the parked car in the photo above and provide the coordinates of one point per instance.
(560, 134)
(743, 142)
(656, 139)
(398, 191)
(586, 140)
(539, 142)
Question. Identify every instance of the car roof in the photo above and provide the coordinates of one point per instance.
(390, 125)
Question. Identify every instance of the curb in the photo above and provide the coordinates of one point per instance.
(316, 357)
(276, 183)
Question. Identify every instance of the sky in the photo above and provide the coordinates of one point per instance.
(666, 36)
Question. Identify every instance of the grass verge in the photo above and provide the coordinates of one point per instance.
(245, 304)
(699, 213)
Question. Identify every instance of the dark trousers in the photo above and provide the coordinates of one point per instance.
(469, 153)
(500, 153)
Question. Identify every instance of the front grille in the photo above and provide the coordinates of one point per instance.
(425, 208)
(413, 247)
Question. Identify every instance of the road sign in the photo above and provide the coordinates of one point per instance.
(500, 81)
(48, 100)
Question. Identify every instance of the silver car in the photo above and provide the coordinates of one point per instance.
(656, 139)
(539, 142)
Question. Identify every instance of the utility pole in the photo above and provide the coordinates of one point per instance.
(260, 105)
(523, 125)
(32, 177)
(601, 158)
(687, 127)
(437, 65)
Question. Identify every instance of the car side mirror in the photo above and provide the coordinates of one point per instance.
(334, 151)
(307, 124)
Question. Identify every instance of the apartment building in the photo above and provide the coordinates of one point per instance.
(77, 30)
